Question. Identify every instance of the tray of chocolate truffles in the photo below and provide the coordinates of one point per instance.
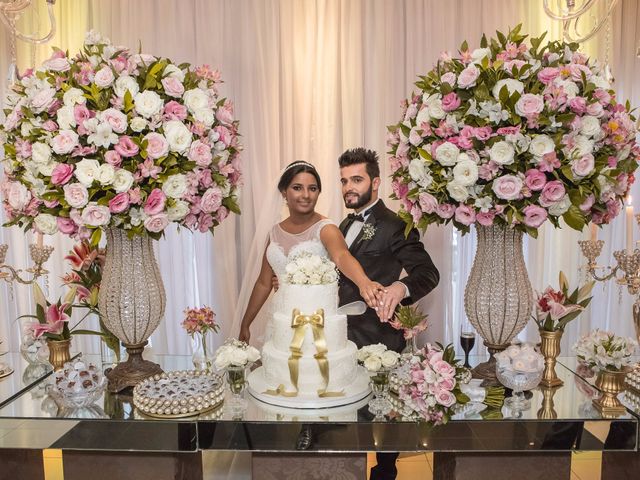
(77, 384)
(178, 394)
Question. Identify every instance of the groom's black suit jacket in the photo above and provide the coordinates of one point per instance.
(383, 257)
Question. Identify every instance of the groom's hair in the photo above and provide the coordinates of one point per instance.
(358, 155)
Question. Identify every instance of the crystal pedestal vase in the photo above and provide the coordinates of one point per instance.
(132, 302)
(498, 296)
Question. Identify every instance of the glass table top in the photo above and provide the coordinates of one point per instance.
(23, 375)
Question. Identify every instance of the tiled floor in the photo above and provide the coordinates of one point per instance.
(419, 466)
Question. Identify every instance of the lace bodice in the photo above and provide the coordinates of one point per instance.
(284, 245)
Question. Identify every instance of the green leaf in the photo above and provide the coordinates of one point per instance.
(95, 237)
(574, 218)
(232, 205)
(128, 102)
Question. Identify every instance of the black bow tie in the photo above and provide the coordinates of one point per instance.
(355, 216)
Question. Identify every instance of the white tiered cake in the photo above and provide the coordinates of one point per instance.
(308, 361)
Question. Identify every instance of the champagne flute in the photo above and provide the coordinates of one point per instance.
(467, 340)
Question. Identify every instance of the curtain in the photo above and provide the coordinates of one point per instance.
(309, 79)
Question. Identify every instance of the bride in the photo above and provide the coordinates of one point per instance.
(303, 230)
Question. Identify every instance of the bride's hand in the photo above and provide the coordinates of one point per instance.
(371, 292)
(245, 334)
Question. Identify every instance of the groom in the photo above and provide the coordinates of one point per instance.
(375, 237)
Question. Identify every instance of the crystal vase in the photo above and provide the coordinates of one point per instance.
(237, 380)
(202, 356)
(132, 302)
(411, 346)
(498, 296)
(380, 404)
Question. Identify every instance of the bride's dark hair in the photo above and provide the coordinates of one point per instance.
(293, 169)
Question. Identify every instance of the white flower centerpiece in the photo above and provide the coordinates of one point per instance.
(236, 357)
(379, 361)
(310, 269)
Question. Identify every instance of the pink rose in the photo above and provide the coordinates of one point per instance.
(428, 202)
(583, 166)
(113, 158)
(57, 64)
(156, 223)
(42, 100)
(211, 200)
(508, 130)
(223, 212)
(588, 203)
(400, 189)
(468, 76)
(225, 114)
(535, 180)
(443, 368)
(552, 192)
(577, 70)
(18, 196)
(155, 202)
(205, 222)
(446, 399)
(95, 215)
(104, 77)
(507, 187)
(578, 105)
(485, 218)
(447, 384)
(174, 111)
(482, 133)
(548, 74)
(449, 78)
(416, 213)
(173, 87)
(465, 215)
(200, 153)
(61, 174)
(602, 96)
(76, 195)
(450, 102)
(157, 145)
(126, 147)
(116, 119)
(534, 216)
(445, 210)
(119, 203)
(529, 105)
(50, 126)
(64, 142)
(595, 110)
(66, 225)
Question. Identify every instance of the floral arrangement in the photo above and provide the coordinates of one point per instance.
(556, 308)
(110, 138)
(199, 320)
(411, 320)
(235, 353)
(513, 134)
(376, 357)
(310, 269)
(53, 318)
(602, 350)
(520, 358)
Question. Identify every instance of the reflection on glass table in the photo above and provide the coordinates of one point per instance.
(24, 376)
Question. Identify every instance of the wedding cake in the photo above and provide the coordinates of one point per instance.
(308, 362)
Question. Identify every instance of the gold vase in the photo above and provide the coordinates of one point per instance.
(59, 353)
(547, 410)
(550, 349)
(610, 383)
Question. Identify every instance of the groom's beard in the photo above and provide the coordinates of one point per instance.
(360, 200)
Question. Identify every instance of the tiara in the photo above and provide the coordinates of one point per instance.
(297, 164)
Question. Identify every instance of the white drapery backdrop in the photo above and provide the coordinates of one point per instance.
(310, 78)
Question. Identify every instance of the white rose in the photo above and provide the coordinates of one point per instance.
(43, 99)
(122, 180)
(560, 207)
(178, 136)
(106, 174)
(40, 153)
(175, 186)
(239, 357)
(590, 126)
(205, 116)
(423, 116)
(569, 87)
(583, 146)
(18, 195)
(148, 103)
(87, 170)
(373, 363)
(64, 142)
(479, 53)
(447, 154)
(389, 358)
(124, 83)
(46, 223)
(457, 191)
(222, 360)
(47, 168)
(252, 354)
(502, 153)
(418, 172)
(115, 118)
(465, 172)
(76, 195)
(541, 145)
(138, 124)
(511, 84)
(104, 77)
(65, 118)
(173, 71)
(600, 82)
(177, 211)
(95, 215)
(195, 99)
(435, 107)
(73, 96)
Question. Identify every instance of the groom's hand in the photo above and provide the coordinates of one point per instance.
(391, 297)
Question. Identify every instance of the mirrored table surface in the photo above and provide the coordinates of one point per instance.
(19, 375)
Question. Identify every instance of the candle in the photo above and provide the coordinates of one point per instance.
(594, 232)
(629, 215)
(38, 239)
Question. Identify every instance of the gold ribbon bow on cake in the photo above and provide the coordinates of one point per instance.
(298, 323)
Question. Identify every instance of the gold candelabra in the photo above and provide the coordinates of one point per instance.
(39, 255)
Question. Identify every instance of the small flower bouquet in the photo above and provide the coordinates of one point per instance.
(199, 321)
(411, 320)
(556, 308)
(310, 269)
(376, 358)
(235, 353)
(602, 350)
